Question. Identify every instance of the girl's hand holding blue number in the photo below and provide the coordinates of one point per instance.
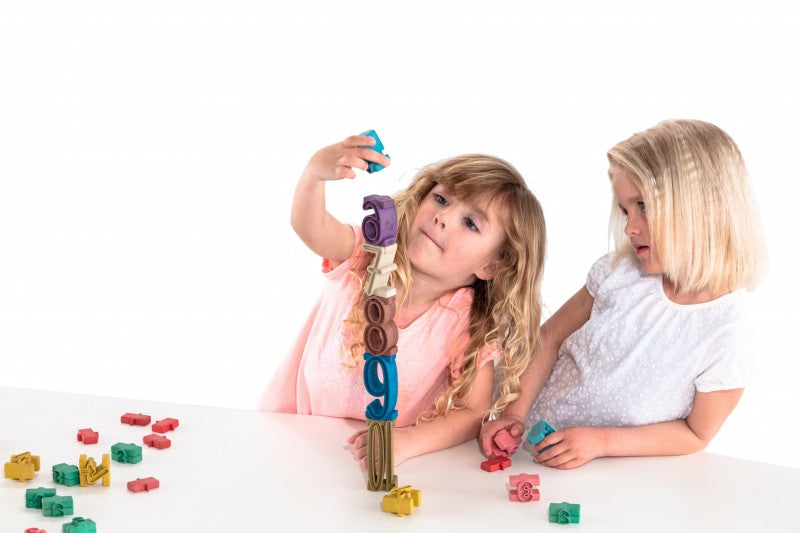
(571, 447)
(337, 161)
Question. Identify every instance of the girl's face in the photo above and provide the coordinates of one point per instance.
(454, 242)
(630, 201)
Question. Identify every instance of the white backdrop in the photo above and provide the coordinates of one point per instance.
(149, 151)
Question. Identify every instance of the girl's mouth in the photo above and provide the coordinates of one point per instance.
(431, 239)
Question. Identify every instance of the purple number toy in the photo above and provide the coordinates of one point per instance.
(380, 228)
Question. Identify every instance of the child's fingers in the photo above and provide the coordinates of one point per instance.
(354, 141)
(572, 463)
(486, 443)
(360, 453)
(359, 442)
(352, 161)
(517, 429)
(551, 439)
(352, 438)
(344, 172)
(544, 455)
(557, 459)
(359, 159)
(373, 156)
(488, 447)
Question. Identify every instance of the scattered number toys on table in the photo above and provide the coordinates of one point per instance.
(33, 497)
(79, 525)
(564, 513)
(135, 419)
(126, 453)
(374, 167)
(91, 474)
(68, 475)
(538, 432)
(146, 484)
(168, 424)
(493, 464)
(57, 506)
(401, 500)
(523, 488)
(21, 467)
(157, 441)
(87, 436)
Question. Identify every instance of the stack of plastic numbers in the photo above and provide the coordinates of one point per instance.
(380, 338)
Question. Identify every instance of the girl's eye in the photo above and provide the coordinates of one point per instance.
(439, 199)
(642, 207)
(470, 224)
(623, 211)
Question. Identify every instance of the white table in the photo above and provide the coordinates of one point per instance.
(234, 470)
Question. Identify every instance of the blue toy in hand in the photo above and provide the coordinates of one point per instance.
(375, 167)
(538, 432)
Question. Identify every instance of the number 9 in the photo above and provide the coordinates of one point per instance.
(386, 388)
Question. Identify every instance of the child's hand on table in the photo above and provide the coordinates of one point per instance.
(511, 423)
(571, 447)
(399, 445)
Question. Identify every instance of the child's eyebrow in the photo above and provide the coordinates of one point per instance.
(474, 208)
(631, 200)
(480, 212)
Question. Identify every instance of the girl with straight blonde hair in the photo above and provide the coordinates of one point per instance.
(470, 254)
(653, 353)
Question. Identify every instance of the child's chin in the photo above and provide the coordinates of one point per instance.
(649, 268)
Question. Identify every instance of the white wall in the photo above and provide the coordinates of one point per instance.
(149, 150)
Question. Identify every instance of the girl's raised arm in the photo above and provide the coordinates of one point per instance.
(321, 231)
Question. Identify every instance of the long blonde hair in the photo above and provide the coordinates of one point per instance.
(702, 216)
(506, 310)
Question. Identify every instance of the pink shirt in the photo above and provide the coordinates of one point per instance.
(319, 376)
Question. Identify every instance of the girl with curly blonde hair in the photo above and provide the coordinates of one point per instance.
(470, 249)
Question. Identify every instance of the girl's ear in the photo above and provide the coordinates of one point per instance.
(488, 272)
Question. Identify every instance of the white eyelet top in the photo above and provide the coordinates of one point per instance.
(641, 357)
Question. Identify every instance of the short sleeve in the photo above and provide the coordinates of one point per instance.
(599, 272)
(332, 269)
(489, 353)
(729, 362)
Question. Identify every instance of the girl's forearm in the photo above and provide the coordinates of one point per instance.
(709, 411)
(665, 438)
(532, 380)
(444, 432)
(568, 319)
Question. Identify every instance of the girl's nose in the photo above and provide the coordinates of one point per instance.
(440, 219)
(631, 227)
